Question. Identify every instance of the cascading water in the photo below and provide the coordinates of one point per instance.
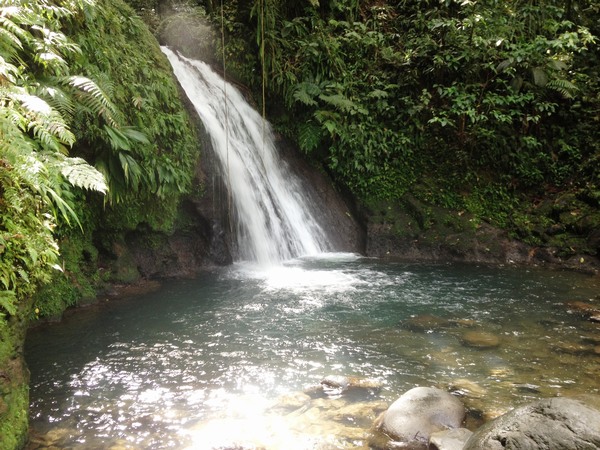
(274, 219)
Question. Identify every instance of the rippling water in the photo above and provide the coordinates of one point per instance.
(213, 362)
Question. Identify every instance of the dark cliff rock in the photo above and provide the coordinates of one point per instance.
(411, 231)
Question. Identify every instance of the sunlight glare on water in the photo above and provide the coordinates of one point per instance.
(234, 359)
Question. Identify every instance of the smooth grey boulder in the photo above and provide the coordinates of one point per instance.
(420, 412)
(549, 424)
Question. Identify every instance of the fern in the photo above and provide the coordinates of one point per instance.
(309, 136)
(80, 174)
(46, 124)
(339, 101)
(93, 98)
(565, 88)
(7, 302)
(305, 93)
(57, 99)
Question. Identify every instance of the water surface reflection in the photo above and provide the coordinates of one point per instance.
(232, 357)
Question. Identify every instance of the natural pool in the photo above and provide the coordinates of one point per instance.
(231, 359)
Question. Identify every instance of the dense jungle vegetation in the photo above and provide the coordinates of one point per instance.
(92, 134)
(488, 108)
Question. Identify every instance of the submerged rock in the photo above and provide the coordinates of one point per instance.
(292, 401)
(584, 308)
(466, 388)
(360, 412)
(420, 412)
(556, 424)
(480, 339)
(572, 348)
(426, 322)
(338, 384)
(449, 439)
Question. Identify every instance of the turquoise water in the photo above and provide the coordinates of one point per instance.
(205, 363)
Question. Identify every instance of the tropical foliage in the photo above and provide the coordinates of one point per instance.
(153, 156)
(481, 106)
(92, 134)
(37, 100)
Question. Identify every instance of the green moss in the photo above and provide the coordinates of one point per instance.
(14, 378)
(146, 179)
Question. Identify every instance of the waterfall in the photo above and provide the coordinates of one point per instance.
(274, 219)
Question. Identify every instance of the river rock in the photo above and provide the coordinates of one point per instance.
(420, 412)
(480, 339)
(572, 348)
(359, 412)
(426, 322)
(552, 424)
(466, 388)
(338, 384)
(587, 309)
(449, 439)
(292, 401)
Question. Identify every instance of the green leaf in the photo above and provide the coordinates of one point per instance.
(7, 302)
(339, 101)
(540, 78)
(309, 136)
(79, 173)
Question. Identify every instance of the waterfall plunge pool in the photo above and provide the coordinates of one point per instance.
(234, 358)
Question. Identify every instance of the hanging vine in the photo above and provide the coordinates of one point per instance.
(226, 125)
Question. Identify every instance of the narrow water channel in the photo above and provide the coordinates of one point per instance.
(234, 358)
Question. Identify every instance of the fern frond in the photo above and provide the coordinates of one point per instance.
(7, 302)
(339, 101)
(80, 174)
(57, 99)
(57, 201)
(8, 72)
(93, 98)
(46, 124)
(306, 92)
(309, 136)
(33, 104)
(378, 94)
(565, 88)
(11, 33)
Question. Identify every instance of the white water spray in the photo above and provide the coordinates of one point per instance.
(274, 219)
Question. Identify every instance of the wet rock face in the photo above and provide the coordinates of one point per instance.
(419, 413)
(556, 423)
(337, 211)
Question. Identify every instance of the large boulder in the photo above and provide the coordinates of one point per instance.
(549, 424)
(420, 412)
